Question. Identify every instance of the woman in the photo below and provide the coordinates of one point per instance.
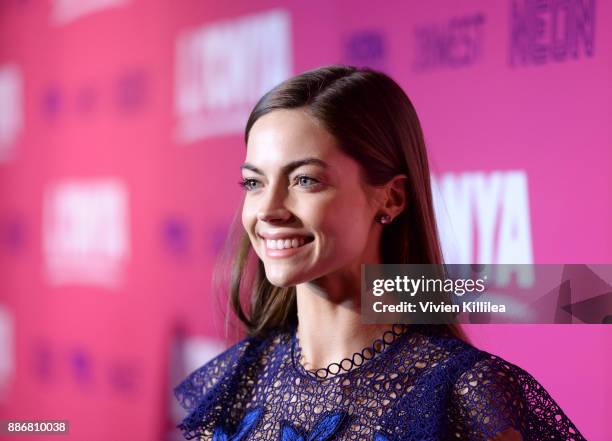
(336, 176)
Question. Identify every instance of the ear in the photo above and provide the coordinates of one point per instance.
(395, 197)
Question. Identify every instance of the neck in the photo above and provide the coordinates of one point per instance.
(330, 328)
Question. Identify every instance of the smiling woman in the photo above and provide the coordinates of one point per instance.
(336, 176)
(308, 198)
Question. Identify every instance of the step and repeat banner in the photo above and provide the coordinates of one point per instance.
(120, 144)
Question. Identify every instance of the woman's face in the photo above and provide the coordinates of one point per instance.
(306, 209)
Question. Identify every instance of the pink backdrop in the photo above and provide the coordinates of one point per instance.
(120, 142)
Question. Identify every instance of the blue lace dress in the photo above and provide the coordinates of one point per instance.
(425, 385)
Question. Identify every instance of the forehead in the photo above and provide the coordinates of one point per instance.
(289, 134)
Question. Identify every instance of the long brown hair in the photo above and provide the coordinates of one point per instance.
(374, 123)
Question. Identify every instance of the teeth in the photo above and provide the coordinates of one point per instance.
(282, 244)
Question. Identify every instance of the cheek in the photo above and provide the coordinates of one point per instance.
(248, 217)
(245, 217)
(248, 210)
(346, 226)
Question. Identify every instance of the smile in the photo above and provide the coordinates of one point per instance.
(280, 244)
(286, 247)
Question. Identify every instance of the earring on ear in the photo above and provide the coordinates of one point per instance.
(384, 219)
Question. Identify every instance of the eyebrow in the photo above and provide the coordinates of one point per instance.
(288, 168)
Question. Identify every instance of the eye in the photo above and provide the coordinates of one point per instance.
(306, 181)
(249, 184)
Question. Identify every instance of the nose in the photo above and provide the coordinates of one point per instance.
(272, 208)
(273, 216)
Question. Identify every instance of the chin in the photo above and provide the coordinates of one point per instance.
(283, 279)
(281, 282)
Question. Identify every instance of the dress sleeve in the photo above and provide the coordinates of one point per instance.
(203, 380)
(494, 396)
(205, 389)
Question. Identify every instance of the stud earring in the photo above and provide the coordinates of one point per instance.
(384, 219)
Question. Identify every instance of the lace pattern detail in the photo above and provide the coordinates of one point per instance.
(425, 386)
